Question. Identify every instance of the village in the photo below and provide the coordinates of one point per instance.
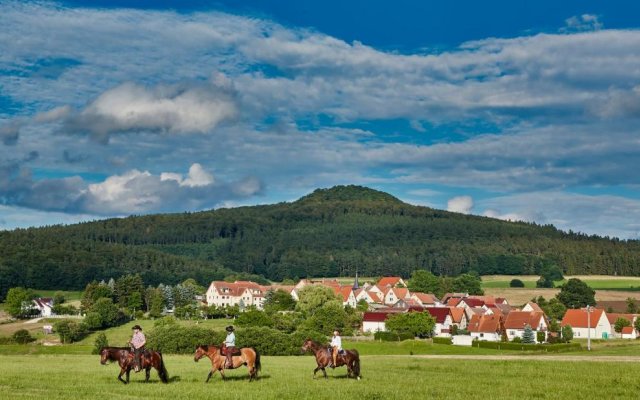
(459, 315)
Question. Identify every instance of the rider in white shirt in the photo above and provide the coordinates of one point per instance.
(336, 346)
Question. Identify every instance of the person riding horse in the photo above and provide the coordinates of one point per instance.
(335, 347)
(138, 342)
(229, 346)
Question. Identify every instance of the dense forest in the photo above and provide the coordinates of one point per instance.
(330, 232)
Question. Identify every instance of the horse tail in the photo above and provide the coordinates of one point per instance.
(258, 364)
(356, 363)
(162, 370)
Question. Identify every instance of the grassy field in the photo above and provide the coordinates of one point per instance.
(65, 376)
(598, 282)
(69, 295)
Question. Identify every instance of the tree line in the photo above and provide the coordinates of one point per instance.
(331, 232)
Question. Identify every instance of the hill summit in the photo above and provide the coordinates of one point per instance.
(348, 193)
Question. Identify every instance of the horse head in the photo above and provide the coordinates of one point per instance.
(307, 345)
(201, 351)
(104, 355)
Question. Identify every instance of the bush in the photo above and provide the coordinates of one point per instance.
(540, 337)
(6, 340)
(70, 331)
(168, 336)
(516, 283)
(516, 340)
(552, 348)
(442, 340)
(100, 342)
(23, 336)
(392, 337)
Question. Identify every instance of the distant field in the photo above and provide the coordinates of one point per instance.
(60, 376)
(69, 295)
(598, 282)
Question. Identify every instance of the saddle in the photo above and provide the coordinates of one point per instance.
(236, 351)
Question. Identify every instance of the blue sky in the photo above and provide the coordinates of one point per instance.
(514, 110)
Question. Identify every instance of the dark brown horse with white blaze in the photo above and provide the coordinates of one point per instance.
(126, 360)
(350, 358)
(248, 356)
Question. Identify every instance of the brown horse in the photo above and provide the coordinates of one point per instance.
(126, 360)
(248, 356)
(350, 358)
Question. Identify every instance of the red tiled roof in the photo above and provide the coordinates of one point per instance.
(518, 319)
(425, 298)
(613, 317)
(472, 302)
(484, 324)
(534, 306)
(456, 314)
(401, 293)
(378, 316)
(454, 301)
(439, 313)
(578, 318)
(388, 281)
(627, 330)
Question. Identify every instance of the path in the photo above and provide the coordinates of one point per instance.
(514, 357)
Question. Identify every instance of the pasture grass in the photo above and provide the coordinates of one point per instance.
(597, 282)
(66, 376)
(69, 295)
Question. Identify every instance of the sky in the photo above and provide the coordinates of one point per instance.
(517, 110)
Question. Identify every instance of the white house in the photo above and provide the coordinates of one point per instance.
(374, 321)
(516, 321)
(485, 327)
(242, 293)
(43, 305)
(629, 332)
(598, 327)
(392, 295)
(443, 318)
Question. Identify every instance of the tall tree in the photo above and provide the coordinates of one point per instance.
(576, 294)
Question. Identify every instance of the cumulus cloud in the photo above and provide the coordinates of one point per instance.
(181, 108)
(609, 215)
(584, 22)
(460, 204)
(131, 192)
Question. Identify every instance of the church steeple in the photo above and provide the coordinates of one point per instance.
(356, 285)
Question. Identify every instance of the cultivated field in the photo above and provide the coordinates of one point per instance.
(607, 287)
(66, 376)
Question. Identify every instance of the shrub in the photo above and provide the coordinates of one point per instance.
(540, 337)
(567, 333)
(516, 283)
(23, 336)
(100, 342)
(442, 340)
(170, 337)
(392, 337)
(529, 347)
(253, 318)
(516, 340)
(70, 331)
(6, 340)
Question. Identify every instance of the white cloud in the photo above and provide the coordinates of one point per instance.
(460, 204)
(197, 177)
(609, 215)
(584, 22)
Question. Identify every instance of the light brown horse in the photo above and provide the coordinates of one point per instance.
(125, 358)
(248, 356)
(350, 358)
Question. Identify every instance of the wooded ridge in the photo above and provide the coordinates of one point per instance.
(330, 232)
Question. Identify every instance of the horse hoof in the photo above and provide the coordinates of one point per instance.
(358, 378)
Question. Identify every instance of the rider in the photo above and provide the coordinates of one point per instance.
(230, 346)
(336, 347)
(138, 341)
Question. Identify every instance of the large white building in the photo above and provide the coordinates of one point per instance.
(242, 293)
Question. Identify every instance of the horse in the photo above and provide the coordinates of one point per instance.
(248, 356)
(126, 360)
(350, 358)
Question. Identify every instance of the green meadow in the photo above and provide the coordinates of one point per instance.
(597, 282)
(67, 376)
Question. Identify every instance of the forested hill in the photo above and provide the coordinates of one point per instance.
(327, 233)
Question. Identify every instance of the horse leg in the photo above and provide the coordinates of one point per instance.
(325, 373)
(222, 373)
(210, 375)
(122, 371)
(128, 373)
(147, 372)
